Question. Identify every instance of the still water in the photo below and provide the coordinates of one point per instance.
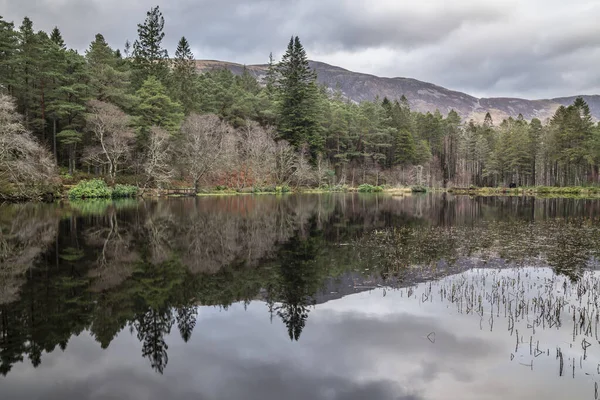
(301, 297)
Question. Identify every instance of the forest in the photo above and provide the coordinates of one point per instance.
(140, 117)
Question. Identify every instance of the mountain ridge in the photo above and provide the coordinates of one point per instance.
(422, 96)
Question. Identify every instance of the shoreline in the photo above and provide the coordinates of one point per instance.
(537, 191)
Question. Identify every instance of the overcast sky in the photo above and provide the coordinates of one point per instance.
(524, 48)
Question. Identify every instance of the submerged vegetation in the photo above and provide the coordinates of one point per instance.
(139, 115)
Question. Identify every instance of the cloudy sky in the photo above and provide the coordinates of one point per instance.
(526, 48)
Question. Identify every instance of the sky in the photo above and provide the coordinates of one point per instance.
(487, 48)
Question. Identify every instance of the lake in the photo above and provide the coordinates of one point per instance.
(339, 296)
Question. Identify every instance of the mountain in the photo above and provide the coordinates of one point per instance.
(422, 96)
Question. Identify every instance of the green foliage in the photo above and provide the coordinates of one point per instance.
(98, 189)
(149, 57)
(373, 141)
(418, 189)
(122, 191)
(156, 108)
(181, 79)
(92, 189)
(298, 99)
(366, 188)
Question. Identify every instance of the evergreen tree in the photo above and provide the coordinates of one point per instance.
(156, 109)
(56, 38)
(127, 49)
(69, 139)
(108, 81)
(182, 83)
(271, 77)
(71, 91)
(149, 58)
(298, 99)
(8, 49)
(27, 73)
(405, 147)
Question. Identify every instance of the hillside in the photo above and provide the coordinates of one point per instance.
(423, 96)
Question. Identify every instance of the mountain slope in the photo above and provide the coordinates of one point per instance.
(422, 96)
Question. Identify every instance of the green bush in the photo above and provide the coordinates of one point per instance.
(366, 188)
(220, 188)
(92, 189)
(418, 189)
(283, 189)
(122, 191)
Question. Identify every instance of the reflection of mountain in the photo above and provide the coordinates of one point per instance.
(147, 266)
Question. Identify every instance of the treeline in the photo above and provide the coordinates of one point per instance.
(141, 117)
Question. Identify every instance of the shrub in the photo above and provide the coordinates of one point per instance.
(418, 189)
(122, 191)
(366, 188)
(283, 189)
(220, 188)
(92, 189)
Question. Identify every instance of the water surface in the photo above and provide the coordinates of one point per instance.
(301, 297)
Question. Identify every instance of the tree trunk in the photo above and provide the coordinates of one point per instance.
(54, 139)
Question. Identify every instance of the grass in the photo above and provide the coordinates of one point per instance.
(366, 188)
(574, 191)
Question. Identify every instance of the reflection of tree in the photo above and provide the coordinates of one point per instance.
(186, 321)
(298, 280)
(151, 266)
(152, 327)
(572, 247)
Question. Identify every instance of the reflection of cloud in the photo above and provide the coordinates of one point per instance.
(363, 346)
(343, 356)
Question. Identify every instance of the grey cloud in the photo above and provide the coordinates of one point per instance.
(493, 48)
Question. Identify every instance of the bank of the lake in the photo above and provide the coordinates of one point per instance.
(539, 191)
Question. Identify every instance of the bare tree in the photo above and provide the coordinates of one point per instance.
(24, 163)
(158, 157)
(206, 148)
(323, 171)
(285, 162)
(110, 129)
(303, 174)
(257, 150)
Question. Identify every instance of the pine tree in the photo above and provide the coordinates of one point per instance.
(149, 58)
(70, 92)
(107, 81)
(156, 109)
(8, 51)
(405, 147)
(182, 83)
(271, 77)
(298, 99)
(27, 73)
(535, 137)
(127, 49)
(69, 139)
(56, 38)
